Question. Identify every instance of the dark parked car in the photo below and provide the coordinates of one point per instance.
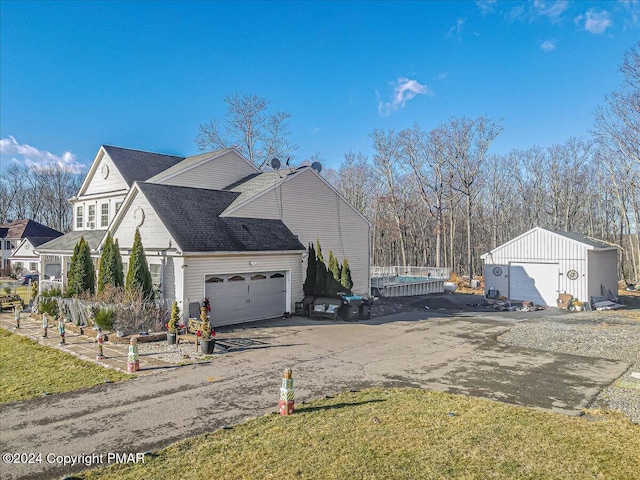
(30, 277)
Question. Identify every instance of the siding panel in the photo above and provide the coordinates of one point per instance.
(324, 215)
(113, 183)
(214, 174)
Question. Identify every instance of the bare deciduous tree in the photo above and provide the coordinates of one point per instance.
(249, 128)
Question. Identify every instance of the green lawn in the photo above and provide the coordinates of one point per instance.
(402, 434)
(28, 369)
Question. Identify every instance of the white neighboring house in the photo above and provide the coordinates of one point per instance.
(540, 264)
(215, 227)
(17, 242)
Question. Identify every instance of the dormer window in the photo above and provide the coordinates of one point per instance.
(79, 216)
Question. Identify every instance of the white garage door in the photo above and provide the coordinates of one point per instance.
(534, 282)
(243, 297)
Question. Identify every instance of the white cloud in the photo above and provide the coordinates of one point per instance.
(456, 30)
(403, 91)
(631, 10)
(37, 159)
(553, 10)
(486, 6)
(548, 45)
(597, 22)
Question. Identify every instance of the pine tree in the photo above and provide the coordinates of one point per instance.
(345, 277)
(138, 275)
(309, 286)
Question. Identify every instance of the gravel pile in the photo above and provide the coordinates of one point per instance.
(177, 354)
(590, 334)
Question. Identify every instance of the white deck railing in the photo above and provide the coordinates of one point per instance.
(409, 271)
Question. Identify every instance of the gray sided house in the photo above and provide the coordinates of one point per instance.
(18, 240)
(540, 264)
(215, 227)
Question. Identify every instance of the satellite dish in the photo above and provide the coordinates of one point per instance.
(317, 166)
(275, 163)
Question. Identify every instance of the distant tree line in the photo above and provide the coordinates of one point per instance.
(39, 194)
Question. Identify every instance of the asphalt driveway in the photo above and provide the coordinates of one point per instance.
(451, 354)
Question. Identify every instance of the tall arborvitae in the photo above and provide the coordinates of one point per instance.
(88, 271)
(321, 271)
(138, 275)
(72, 282)
(119, 267)
(345, 277)
(107, 272)
(309, 286)
(81, 277)
(333, 277)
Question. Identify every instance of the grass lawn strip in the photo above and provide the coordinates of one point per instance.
(27, 369)
(402, 434)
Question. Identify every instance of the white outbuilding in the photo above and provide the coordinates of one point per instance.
(540, 264)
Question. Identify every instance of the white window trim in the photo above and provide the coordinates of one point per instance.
(104, 217)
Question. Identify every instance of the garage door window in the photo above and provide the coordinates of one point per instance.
(215, 280)
(258, 277)
(236, 278)
(277, 275)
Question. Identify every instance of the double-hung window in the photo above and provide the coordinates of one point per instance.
(104, 215)
(79, 216)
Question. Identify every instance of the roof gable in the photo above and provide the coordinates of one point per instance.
(255, 185)
(191, 215)
(194, 161)
(137, 165)
(27, 228)
(588, 242)
(132, 165)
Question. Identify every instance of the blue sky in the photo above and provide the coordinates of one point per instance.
(136, 74)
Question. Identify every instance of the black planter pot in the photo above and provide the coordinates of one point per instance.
(171, 338)
(207, 346)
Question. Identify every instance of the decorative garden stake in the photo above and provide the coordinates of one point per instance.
(100, 340)
(16, 315)
(45, 325)
(61, 330)
(286, 393)
(133, 360)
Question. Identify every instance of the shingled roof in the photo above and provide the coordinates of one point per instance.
(592, 242)
(27, 228)
(192, 217)
(66, 243)
(138, 166)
